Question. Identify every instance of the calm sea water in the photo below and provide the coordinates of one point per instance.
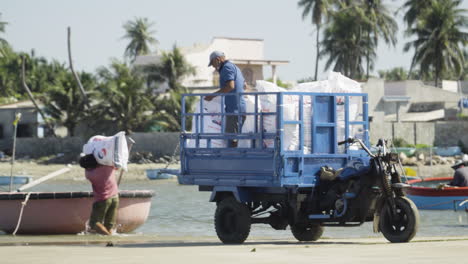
(179, 210)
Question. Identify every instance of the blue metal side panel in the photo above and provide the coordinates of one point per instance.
(229, 169)
(324, 138)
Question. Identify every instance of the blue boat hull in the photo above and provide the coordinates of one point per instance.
(439, 202)
(17, 180)
(425, 194)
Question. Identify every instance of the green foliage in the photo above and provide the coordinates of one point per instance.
(345, 43)
(421, 146)
(306, 79)
(64, 102)
(400, 143)
(172, 69)
(139, 33)
(439, 37)
(395, 74)
(317, 10)
(280, 83)
(168, 110)
(461, 116)
(124, 99)
(3, 42)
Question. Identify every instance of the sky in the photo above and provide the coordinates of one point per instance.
(97, 30)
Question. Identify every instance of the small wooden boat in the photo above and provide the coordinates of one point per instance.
(425, 194)
(448, 151)
(158, 174)
(67, 212)
(17, 180)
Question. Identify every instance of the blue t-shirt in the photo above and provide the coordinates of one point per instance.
(228, 72)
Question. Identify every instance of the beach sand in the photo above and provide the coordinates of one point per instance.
(209, 250)
(35, 170)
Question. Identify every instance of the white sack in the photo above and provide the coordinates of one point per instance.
(249, 123)
(211, 123)
(290, 112)
(110, 151)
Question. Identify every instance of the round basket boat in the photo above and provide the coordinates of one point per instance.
(67, 212)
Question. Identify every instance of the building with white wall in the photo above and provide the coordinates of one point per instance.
(246, 53)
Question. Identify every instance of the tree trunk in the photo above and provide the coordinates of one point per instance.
(367, 56)
(71, 130)
(318, 51)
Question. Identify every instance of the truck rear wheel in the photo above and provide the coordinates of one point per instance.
(403, 226)
(310, 232)
(232, 221)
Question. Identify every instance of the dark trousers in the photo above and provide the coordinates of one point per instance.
(233, 126)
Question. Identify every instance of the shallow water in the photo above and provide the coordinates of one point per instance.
(183, 211)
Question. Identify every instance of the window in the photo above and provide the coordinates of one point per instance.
(24, 130)
(248, 75)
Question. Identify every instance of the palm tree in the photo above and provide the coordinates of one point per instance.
(317, 10)
(172, 69)
(139, 33)
(125, 100)
(380, 24)
(346, 43)
(168, 110)
(414, 8)
(439, 40)
(63, 100)
(3, 42)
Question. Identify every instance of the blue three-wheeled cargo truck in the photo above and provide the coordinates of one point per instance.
(305, 164)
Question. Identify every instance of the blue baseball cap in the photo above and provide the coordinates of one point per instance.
(215, 54)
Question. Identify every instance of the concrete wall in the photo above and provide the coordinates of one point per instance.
(39, 147)
(159, 144)
(442, 133)
(416, 90)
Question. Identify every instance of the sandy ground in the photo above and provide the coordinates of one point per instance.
(35, 170)
(210, 250)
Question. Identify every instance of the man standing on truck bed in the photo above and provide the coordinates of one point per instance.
(231, 81)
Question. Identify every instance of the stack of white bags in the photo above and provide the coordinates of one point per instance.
(336, 83)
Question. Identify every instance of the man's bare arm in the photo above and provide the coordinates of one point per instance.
(226, 89)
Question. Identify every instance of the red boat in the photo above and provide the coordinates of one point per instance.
(67, 212)
(426, 195)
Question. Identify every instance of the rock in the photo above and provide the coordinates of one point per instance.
(402, 156)
(413, 161)
(421, 156)
(428, 161)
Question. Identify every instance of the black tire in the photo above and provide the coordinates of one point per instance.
(310, 232)
(232, 221)
(404, 227)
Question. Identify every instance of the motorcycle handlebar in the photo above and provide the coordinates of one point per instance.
(349, 140)
(353, 140)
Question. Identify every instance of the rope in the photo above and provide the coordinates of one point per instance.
(454, 202)
(23, 204)
(399, 161)
(171, 160)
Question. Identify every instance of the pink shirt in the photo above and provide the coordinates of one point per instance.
(102, 179)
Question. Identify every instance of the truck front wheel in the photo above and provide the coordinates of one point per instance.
(232, 221)
(310, 232)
